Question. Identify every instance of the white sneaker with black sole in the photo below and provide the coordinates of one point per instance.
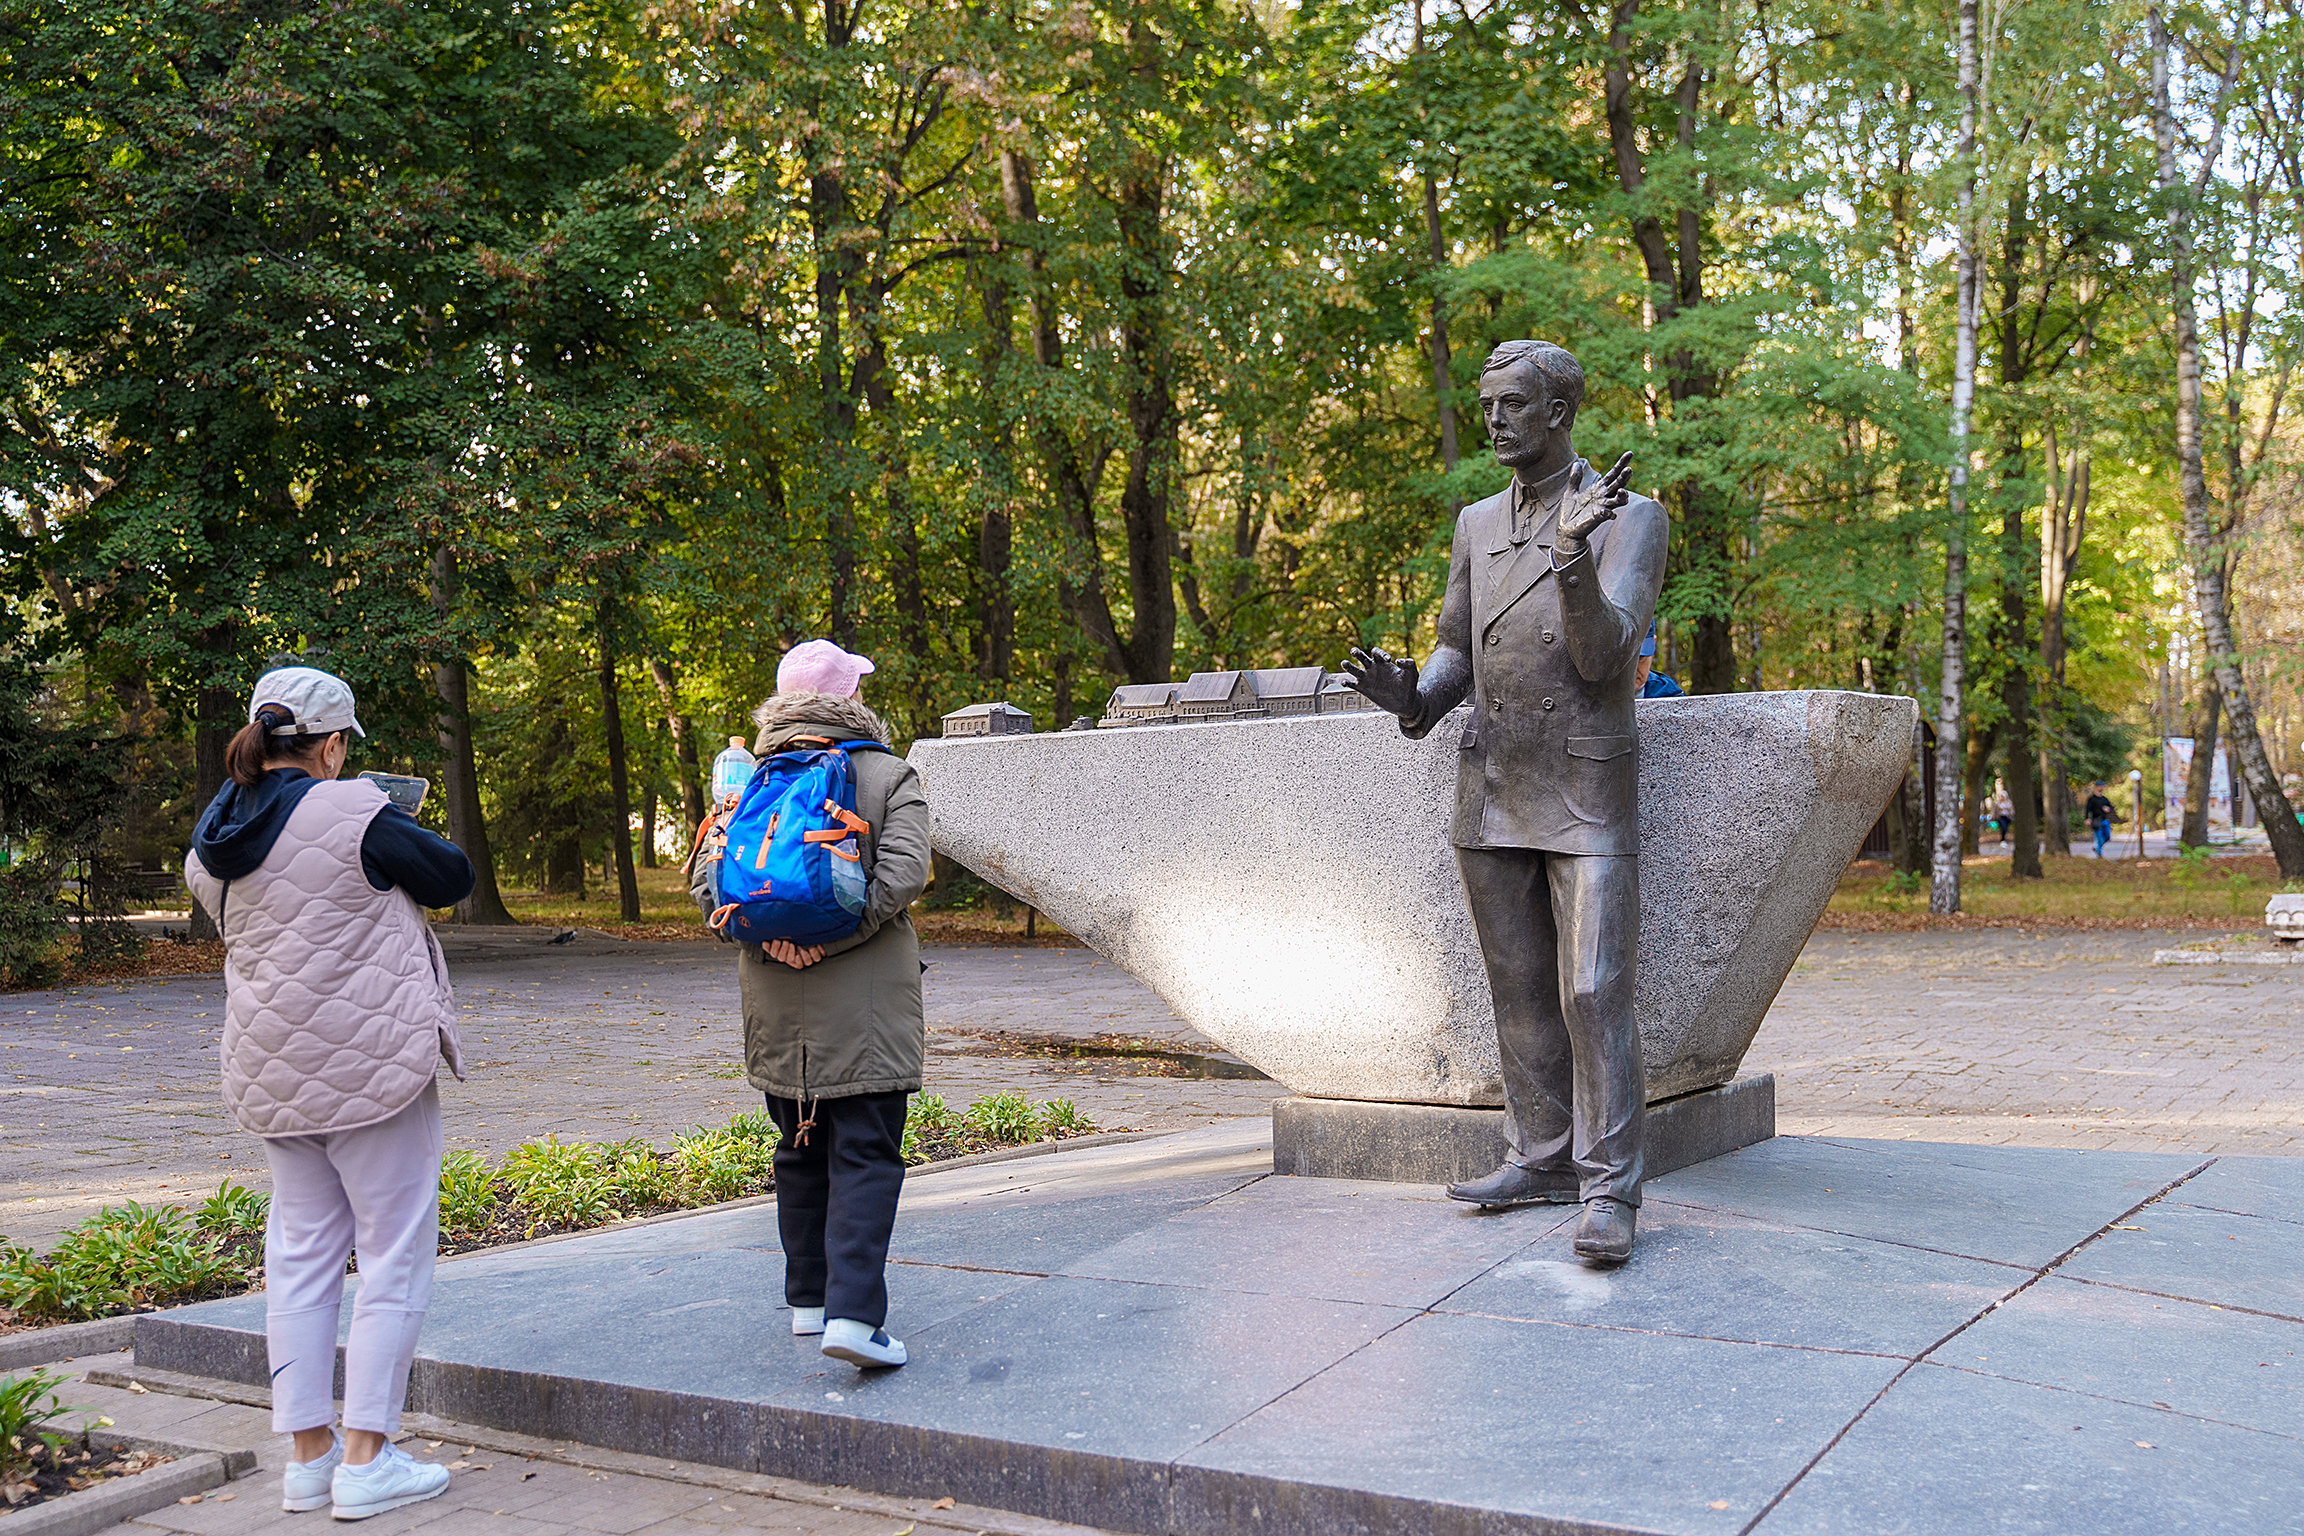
(304, 1485)
(393, 1479)
(807, 1322)
(861, 1343)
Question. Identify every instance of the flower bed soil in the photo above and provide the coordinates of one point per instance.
(73, 1468)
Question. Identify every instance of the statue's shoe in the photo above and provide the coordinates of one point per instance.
(1604, 1236)
(1515, 1185)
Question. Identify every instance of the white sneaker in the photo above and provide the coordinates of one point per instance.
(305, 1484)
(861, 1343)
(807, 1321)
(394, 1478)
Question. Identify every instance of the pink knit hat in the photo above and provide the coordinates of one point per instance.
(819, 666)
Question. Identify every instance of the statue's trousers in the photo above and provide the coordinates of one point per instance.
(1559, 933)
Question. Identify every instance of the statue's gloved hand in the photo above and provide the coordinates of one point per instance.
(1588, 507)
(1384, 680)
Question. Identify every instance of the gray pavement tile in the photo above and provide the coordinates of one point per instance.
(1985, 1202)
(2271, 1187)
(617, 1506)
(1726, 1277)
(1332, 1239)
(1100, 1367)
(1947, 1451)
(2180, 1355)
(710, 1323)
(1637, 1431)
(2206, 1255)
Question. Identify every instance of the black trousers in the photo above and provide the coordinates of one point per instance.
(836, 1201)
(1559, 932)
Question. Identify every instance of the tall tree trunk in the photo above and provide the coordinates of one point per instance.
(995, 534)
(2015, 568)
(1673, 260)
(619, 776)
(459, 766)
(1148, 363)
(217, 716)
(1976, 772)
(2063, 526)
(648, 824)
(688, 769)
(1437, 237)
(2202, 546)
(1951, 715)
(2201, 778)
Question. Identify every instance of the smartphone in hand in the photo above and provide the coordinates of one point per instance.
(406, 793)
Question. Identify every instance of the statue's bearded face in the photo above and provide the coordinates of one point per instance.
(1520, 412)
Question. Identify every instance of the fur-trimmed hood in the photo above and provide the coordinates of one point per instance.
(799, 713)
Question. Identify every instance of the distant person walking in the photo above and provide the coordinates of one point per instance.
(2101, 816)
(1651, 683)
(337, 1014)
(834, 1034)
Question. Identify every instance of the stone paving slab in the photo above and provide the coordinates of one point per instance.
(1814, 1335)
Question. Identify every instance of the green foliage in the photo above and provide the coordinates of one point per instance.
(467, 1193)
(1004, 1117)
(121, 1259)
(728, 1163)
(233, 1212)
(2191, 868)
(562, 1184)
(31, 926)
(28, 1406)
(1062, 1117)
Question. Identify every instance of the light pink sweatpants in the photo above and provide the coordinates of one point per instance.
(377, 1190)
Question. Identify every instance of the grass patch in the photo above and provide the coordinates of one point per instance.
(2080, 891)
(137, 1258)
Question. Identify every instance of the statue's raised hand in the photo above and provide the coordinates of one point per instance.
(1589, 506)
(1384, 680)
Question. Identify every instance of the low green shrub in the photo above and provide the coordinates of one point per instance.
(561, 1184)
(28, 1405)
(233, 1212)
(123, 1258)
(1062, 1117)
(468, 1200)
(728, 1163)
(1004, 1117)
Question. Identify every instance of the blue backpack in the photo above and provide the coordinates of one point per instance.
(792, 852)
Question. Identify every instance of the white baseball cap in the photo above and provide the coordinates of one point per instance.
(321, 701)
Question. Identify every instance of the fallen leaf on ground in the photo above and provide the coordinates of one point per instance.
(2143, 1445)
(139, 1389)
(192, 1498)
(226, 1498)
(942, 1504)
(1719, 1504)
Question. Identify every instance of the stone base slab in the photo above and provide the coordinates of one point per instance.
(1441, 1144)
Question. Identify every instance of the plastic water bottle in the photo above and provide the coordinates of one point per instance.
(731, 771)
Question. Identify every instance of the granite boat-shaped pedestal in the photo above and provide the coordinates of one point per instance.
(1288, 887)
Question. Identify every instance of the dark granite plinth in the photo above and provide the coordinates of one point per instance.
(1842, 1337)
(1440, 1143)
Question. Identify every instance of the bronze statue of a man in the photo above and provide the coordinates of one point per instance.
(1552, 587)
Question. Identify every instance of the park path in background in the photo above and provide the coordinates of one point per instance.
(2047, 1038)
(2042, 1037)
(108, 1092)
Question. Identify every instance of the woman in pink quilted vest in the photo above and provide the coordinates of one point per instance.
(337, 1015)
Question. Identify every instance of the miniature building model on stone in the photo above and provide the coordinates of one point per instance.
(1140, 704)
(1336, 699)
(1002, 719)
(1289, 690)
(1218, 696)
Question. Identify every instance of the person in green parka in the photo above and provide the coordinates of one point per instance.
(834, 1034)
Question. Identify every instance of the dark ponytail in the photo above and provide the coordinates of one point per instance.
(254, 745)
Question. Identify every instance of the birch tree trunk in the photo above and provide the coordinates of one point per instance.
(2201, 546)
(1944, 887)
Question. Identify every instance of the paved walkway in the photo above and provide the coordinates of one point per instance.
(511, 1485)
(108, 1093)
(2054, 1038)
(2051, 1038)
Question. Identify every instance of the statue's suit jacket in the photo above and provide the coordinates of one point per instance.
(1548, 656)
